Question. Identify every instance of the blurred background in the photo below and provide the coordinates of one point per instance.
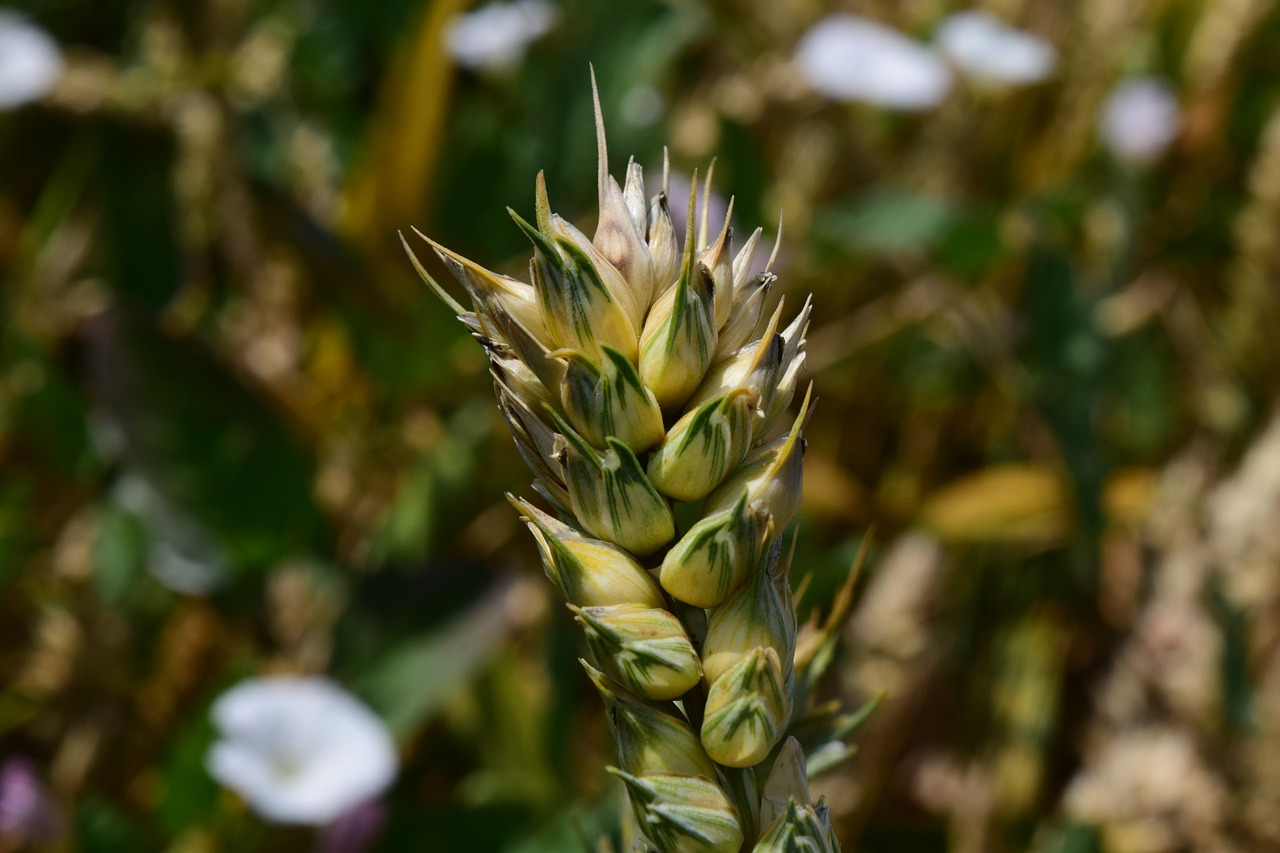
(239, 438)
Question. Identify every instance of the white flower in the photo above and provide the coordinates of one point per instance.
(850, 58)
(30, 61)
(1140, 119)
(642, 105)
(495, 37)
(300, 750)
(989, 50)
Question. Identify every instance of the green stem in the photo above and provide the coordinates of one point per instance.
(740, 783)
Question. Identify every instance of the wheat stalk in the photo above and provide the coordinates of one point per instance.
(630, 374)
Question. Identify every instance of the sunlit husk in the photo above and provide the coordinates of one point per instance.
(687, 814)
(745, 317)
(608, 400)
(494, 294)
(646, 649)
(748, 664)
(717, 260)
(716, 555)
(771, 475)
(578, 307)
(611, 496)
(704, 446)
(759, 615)
(664, 244)
(611, 279)
(757, 366)
(589, 572)
(679, 337)
(800, 829)
(747, 707)
(788, 782)
(650, 740)
(620, 234)
(793, 359)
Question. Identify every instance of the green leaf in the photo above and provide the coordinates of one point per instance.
(887, 222)
(414, 680)
(207, 441)
(428, 499)
(118, 554)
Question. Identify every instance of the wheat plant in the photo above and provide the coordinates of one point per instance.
(637, 370)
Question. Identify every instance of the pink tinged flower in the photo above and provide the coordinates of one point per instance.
(850, 58)
(1140, 119)
(643, 105)
(496, 36)
(990, 51)
(28, 812)
(30, 62)
(355, 830)
(300, 750)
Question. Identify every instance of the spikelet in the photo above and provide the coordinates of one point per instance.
(589, 572)
(748, 663)
(609, 400)
(679, 336)
(644, 648)
(685, 813)
(714, 558)
(651, 740)
(610, 494)
(704, 446)
(789, 816)
(634, 371)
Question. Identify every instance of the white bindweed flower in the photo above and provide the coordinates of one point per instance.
(1140, 119)
(495, 37)
(300, 750)
(643, 105)
(850, 58)
(30, 61)
(989, 50)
